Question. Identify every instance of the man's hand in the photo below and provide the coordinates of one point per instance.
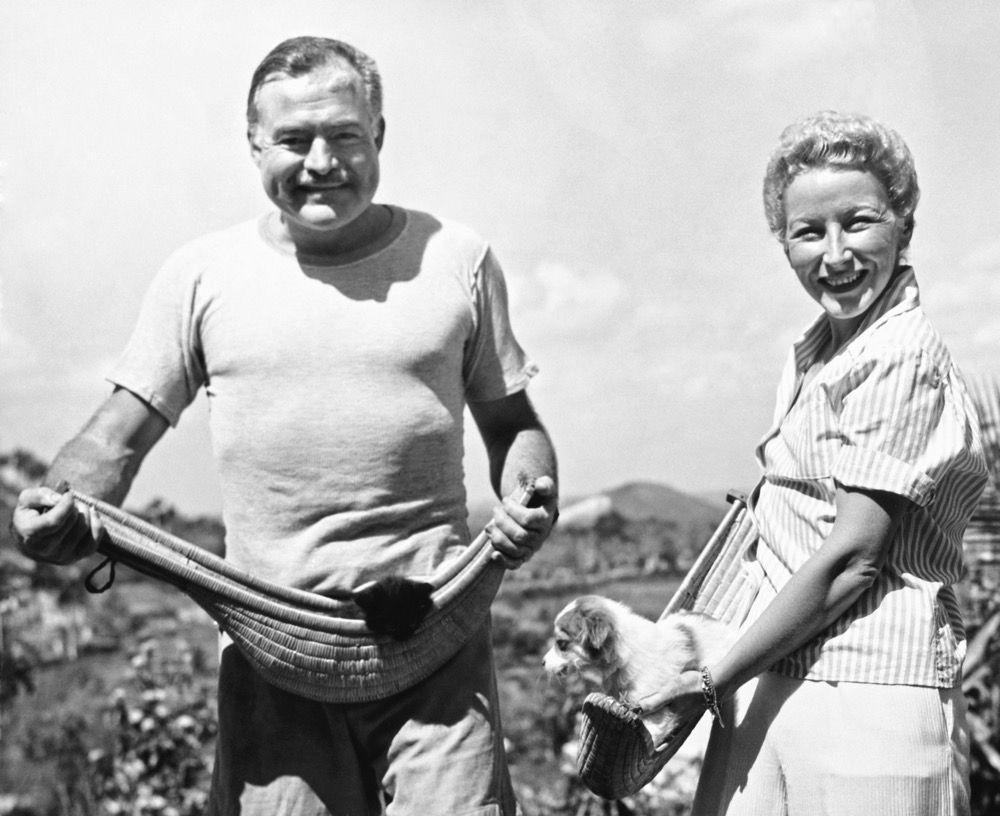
(517, 532)
(101, 460)
(48, 526)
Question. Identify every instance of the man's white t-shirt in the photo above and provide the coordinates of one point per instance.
(336, 393)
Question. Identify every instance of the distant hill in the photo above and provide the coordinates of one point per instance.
(634, 501)
(639, 501)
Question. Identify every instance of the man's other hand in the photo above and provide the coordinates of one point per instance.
(518, 532)
(48, 526)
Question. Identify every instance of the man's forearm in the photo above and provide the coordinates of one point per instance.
(529, 454)
(90, 466)
(103, 459)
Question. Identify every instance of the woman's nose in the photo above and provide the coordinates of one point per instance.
(836, 252)
(320, 159)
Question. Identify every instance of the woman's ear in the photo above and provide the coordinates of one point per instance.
(906, 232)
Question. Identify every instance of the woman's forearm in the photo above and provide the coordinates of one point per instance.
(821, 590)
(812, 599)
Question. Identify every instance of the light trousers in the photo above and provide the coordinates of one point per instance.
(806, 748)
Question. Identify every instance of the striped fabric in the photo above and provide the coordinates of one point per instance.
(985, 393)
(889, 412)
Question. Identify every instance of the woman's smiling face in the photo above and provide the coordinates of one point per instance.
(842, 238)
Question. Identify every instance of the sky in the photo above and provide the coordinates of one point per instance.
(612, 154)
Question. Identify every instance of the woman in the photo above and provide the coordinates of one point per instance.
(871, 471)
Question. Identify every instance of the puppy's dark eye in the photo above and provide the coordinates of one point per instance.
(562, 644)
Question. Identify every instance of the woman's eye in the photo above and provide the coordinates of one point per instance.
(804, 233)
(860, 223)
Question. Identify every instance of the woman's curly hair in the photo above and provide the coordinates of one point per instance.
(843, 140)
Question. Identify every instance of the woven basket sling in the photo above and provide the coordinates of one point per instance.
(309, 644)
(616, 755)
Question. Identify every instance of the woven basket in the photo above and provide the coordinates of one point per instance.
(616, 756)
(309, 644)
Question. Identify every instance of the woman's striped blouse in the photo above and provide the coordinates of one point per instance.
(889, 412)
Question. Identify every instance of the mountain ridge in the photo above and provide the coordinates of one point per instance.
(636, 500)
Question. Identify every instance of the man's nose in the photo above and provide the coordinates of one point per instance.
(320, 159)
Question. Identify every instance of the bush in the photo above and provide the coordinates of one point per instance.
(982, 692)
(146, 752)
(163, 722)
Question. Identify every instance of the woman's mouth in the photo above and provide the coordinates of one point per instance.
(844, 282)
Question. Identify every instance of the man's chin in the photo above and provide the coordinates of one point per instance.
(321, 217)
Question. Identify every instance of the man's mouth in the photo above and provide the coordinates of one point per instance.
(324, 187)
(319, 184)
(844, 282)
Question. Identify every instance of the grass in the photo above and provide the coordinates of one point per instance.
(532, 705)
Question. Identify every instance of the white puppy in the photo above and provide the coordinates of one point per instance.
(633, 656)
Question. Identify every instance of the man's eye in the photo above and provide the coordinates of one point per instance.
(293, 142)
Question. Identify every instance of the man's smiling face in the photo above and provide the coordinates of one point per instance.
(316, 146)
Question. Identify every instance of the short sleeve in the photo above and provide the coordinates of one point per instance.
(900, 426)
(162, 362)
(494, 364)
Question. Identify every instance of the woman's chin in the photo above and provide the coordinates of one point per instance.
(848, 308)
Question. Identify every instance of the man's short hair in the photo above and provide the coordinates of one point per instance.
(847, 141)
(302, 55)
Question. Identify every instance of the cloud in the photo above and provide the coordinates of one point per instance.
(762, 34)
(557, 299)
(984, 258)
(30, 377)
(962, 305)
(773, 35)
(973, 284)
(17, 354)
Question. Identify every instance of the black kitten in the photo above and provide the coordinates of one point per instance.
(394, 606)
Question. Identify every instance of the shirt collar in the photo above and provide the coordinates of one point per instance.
(902, 294)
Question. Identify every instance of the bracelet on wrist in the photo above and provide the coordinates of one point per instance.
(711, 698)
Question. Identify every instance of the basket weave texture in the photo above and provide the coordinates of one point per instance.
(616, 756)
(309, 644)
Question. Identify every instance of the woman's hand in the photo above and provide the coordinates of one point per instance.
(819, 592)
(683, 699)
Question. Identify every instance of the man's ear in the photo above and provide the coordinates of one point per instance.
(255, 149)
(380, 137)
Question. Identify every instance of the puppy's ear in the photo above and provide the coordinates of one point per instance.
(597, 630)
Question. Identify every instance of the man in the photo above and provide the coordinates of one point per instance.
(338, 341)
